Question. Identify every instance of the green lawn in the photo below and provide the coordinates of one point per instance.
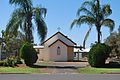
(19, 70)
(98, 70)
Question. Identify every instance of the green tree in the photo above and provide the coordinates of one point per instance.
(11, 43)
(98, 54)
(29, 54)
(23, 17)
(114, 42)
(94, 14)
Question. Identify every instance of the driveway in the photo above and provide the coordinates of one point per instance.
(59, 77)
(61, 67)
(72, 64)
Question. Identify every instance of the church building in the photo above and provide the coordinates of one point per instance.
(56, 48)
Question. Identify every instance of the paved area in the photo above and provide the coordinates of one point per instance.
(60, 70)
(62, 67)
(59, 77)
(77, 64)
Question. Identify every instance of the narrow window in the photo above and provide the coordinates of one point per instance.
(58, 50)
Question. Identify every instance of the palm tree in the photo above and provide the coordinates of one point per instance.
(23, 17)
(93, 14)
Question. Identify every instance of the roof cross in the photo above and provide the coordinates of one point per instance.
(58, 28)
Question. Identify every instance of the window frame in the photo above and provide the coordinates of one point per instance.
(58, 50)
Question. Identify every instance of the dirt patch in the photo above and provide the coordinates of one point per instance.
(22, 65)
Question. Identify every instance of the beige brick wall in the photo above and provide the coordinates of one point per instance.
(70, 53)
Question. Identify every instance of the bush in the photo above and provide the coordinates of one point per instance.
(18, 61)
(10, 61)
(98, 55)
(1, 63)
(29, 54)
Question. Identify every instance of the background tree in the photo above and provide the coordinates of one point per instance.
(114, 42)
(12, 43)
(92, 13)
(23, 17)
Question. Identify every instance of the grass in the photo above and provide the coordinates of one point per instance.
(91, 70)
(18, 70)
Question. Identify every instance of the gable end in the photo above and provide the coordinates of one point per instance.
(59, 39)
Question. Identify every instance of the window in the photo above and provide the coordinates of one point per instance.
(58, 50)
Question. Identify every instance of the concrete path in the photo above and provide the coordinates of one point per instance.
(62, 67)
(76, 64)
(59, 77)
(60, 70)
(58, 67)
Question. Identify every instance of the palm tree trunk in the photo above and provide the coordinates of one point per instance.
(30, 36)
(99, 33)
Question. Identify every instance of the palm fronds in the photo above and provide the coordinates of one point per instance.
(41, 25)
(22, 18)
(92, 13)
(109, 23)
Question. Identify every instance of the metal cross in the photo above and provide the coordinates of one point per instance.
(58, 28)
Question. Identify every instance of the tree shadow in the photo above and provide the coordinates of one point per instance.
(58, 67)
(111, 65)
(79, 61)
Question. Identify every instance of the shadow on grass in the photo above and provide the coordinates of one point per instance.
(58, 67)
(111, 65)
(79, 61)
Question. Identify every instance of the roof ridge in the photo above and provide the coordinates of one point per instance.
(61, 34)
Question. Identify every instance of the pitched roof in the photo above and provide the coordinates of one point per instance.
(62, 35)
(60, 41)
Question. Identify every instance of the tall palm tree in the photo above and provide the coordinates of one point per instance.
(93, 14)
(23, 17)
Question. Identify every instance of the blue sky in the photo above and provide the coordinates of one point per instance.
(60, 13)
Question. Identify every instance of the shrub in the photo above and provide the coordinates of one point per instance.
(10, 61)
(98, 54)
(1, 63)
(29, 54)
(18, 61)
